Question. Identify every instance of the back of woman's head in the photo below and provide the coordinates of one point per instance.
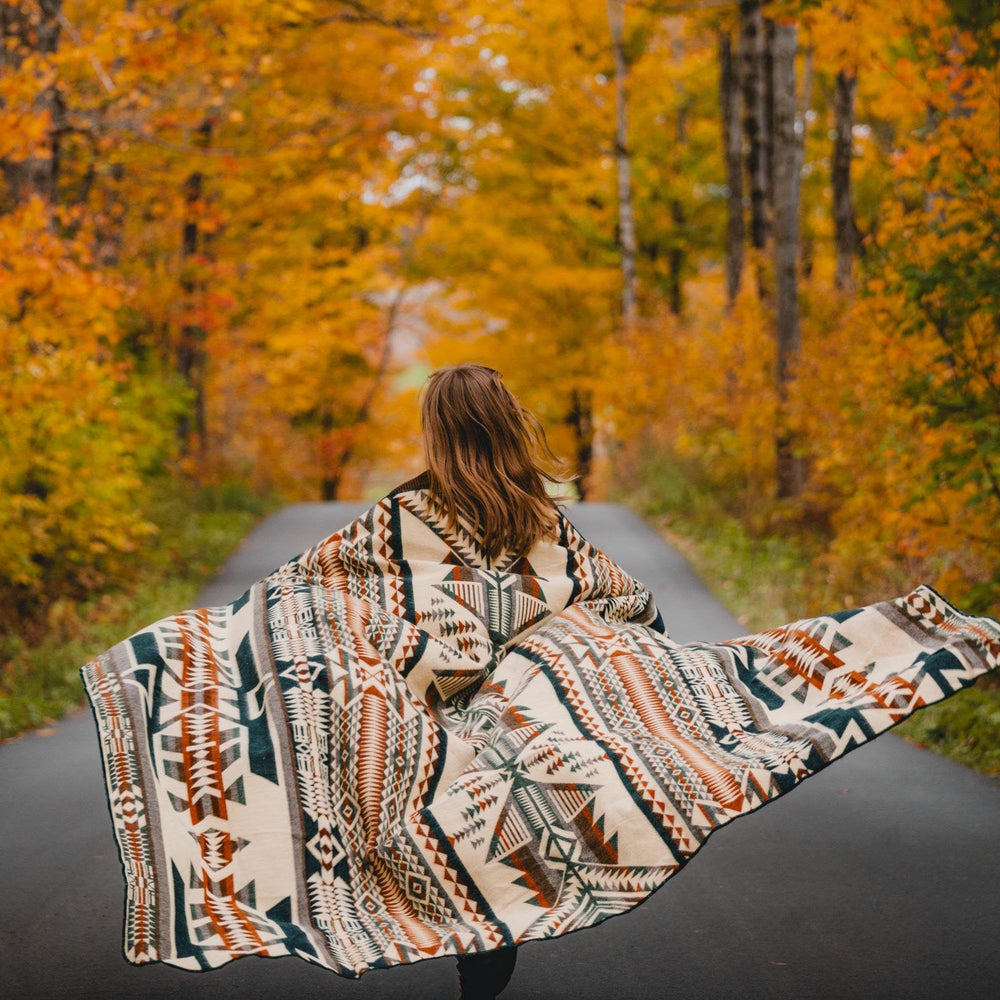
(483, 450)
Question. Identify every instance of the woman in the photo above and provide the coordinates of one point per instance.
(455, 725)
(479, 445)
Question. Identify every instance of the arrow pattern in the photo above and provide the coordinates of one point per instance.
(393, 748)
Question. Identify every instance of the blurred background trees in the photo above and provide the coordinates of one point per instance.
(756, 243)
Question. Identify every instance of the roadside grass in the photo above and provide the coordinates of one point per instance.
(769, 580)
(763, 580)
(40, 681)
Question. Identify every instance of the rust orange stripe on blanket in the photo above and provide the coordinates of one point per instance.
(401, 909)
(372, 763)
(719, 782)
(200, 741)
(722, 785)
(809, 659)
(371, 770)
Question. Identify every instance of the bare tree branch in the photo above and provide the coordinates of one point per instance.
(106, 81)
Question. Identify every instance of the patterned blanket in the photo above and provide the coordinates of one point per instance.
(391, 749)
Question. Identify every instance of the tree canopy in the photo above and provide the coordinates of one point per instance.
(760, 239)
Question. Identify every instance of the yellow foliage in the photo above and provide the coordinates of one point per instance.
(270, 221)
(75, 442)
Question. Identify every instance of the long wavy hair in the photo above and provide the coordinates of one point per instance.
(484, 454)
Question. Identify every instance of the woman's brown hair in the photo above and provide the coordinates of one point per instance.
(483, 450)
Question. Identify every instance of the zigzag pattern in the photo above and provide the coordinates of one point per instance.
(392, 749)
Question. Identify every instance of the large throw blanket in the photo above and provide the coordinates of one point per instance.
(391, 749)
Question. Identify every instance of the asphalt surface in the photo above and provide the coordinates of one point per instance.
(878, 877)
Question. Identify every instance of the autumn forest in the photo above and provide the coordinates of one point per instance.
(756, 243)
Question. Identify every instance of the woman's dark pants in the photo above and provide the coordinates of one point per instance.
(482, 975)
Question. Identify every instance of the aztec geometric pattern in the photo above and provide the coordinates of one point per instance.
(392, 749)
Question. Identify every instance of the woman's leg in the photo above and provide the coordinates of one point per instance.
(482, 975)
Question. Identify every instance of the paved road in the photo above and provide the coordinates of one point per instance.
(879, 877)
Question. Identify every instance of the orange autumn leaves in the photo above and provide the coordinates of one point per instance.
(195, 248)
(895, 404)
(203, 275)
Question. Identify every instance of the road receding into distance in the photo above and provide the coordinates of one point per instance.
(876, 878)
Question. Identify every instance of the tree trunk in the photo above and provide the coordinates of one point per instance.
(845, 227)
(191, 359)
(677, 257)
(623, 165)
(732, 142)
(768, 65)
(678, 253)
(33, 30)
(754, 122)
(109, 232)
(581, 420)
(786, 239)
(333, 473)
(806, 245)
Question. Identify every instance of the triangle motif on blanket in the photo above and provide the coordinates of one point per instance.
(505, 603)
